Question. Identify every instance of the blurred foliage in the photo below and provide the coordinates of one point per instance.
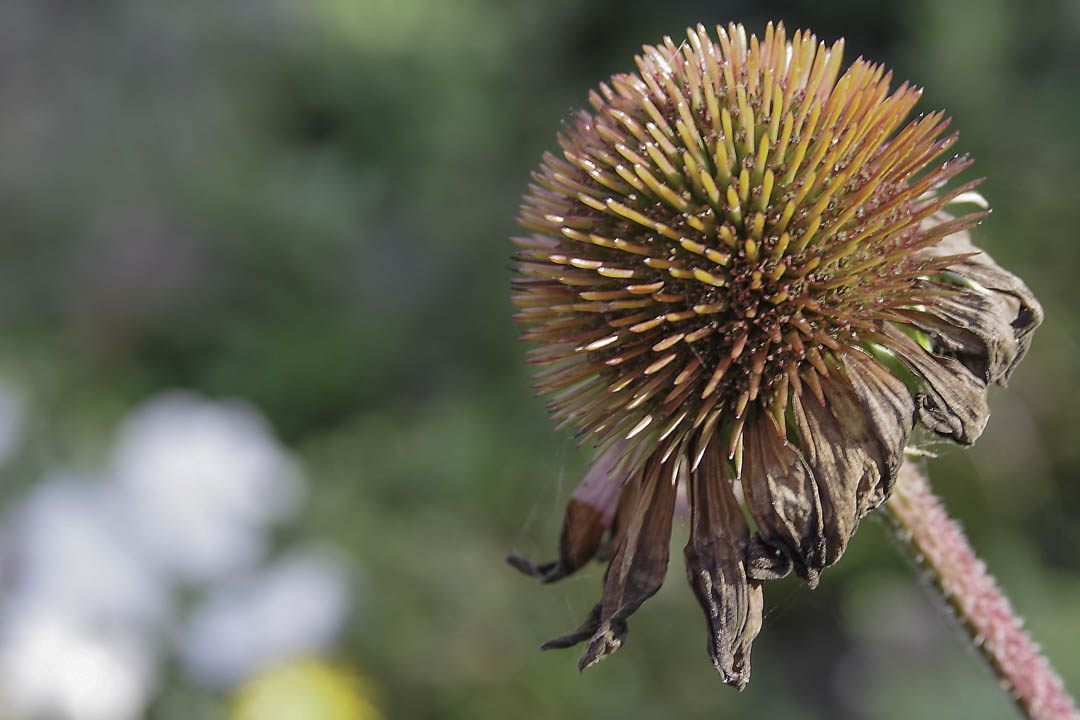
(305, 203)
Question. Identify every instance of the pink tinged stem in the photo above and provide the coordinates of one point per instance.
(935, 542)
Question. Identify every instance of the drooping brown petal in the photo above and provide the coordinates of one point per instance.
(766, 562)
(890, 415)
(583, 633)
(838, 445)
(715, 567)
(954, 404)
(949, 330)
(994, 307)
(624, 512)
(783, 499)
(588, 516)
(637, 570)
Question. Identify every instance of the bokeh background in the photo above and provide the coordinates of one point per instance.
(265, 432)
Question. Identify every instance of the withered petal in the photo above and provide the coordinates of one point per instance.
(583, 633)
(890, 415)
(715, 567)
(837, 443)
(955, 404)
(588, 516)
(948, 328)
(607, 639)
(582, 533)
(987, 325)
(624, 512)
(766, 562)
(638, 567)
(782, 496)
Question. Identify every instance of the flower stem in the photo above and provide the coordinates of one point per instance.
(937, 544)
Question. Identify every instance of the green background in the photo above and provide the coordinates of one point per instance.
(306, 204)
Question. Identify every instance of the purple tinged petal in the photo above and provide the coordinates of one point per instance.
(589, 515)
(643, 536)
(640, 563)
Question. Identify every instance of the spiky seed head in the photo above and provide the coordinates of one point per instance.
(714, 226)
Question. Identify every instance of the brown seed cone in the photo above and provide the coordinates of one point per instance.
(740, 267)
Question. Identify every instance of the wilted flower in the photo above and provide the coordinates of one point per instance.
(743, 280)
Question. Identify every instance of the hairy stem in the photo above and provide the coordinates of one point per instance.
(937, 544)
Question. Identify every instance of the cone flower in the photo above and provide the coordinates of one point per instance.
(741, 278)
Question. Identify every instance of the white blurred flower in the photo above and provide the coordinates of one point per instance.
(69, 554)
(57, 667)
(205, 479)
(91, 566)
(294, 608)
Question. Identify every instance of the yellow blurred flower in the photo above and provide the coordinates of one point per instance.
(305, 690)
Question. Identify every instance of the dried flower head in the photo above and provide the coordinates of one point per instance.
(742, 280)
